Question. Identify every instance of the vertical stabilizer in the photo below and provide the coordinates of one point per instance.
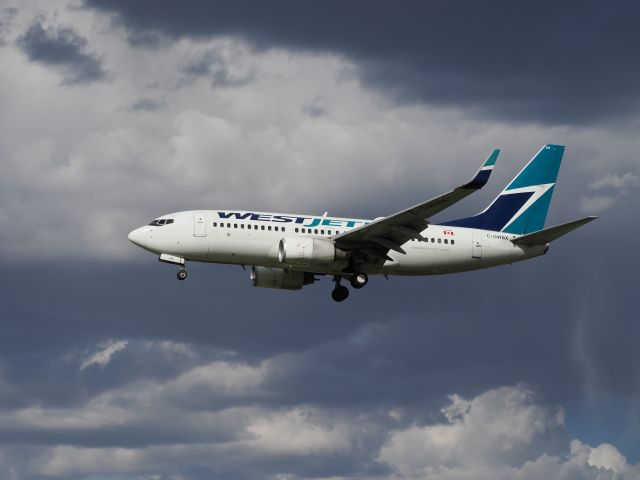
(522, 206)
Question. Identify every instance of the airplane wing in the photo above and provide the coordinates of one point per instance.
(389, 233)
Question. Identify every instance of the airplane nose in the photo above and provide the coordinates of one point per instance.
(135, 237)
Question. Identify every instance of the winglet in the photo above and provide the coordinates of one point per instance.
(481, 177)
(548, 235)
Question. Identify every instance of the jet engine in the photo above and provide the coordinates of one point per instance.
(308, 251)
(280, 278)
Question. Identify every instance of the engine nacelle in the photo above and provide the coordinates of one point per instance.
(308, 251)
(279, 278)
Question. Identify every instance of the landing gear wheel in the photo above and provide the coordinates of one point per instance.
(182, 275)
(359, 280)
(340, 293)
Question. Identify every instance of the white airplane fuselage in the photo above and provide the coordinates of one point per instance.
(253, 238)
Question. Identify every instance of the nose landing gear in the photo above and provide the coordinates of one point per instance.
(172, 259)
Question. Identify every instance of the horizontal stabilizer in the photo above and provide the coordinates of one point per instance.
(548, 235)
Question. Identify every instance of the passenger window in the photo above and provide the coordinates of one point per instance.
(296, 230)
(228, 225)
(439, 240)
(261, 227)
(215, 224)
(304, 230)
(452, 242)
(322, 232)
(433, 240)
(235, 225)
(446, 241)
(315, 231)
(269, 228)
(275, 228)
(282, 228)
(242, 226)
(329, 232)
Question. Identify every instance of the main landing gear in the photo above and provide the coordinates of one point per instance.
(182, 274)
(340, 293)
(359, 280)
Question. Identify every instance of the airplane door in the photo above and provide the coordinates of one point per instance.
(476, 246)
(199, 224)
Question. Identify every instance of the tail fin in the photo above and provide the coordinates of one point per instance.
(522, 206)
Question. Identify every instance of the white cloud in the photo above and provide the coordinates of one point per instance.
(499, 434)
(591, 205)
(607, 456)
(299, 431)
(618, 182)
(103, 356)
(66, 460)
(217, 379)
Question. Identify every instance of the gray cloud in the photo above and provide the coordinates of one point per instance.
(221, 68)
(549, 63)
(62, 48)
(6, 16)
(146, 104)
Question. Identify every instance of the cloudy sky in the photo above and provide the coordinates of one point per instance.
(115, 112)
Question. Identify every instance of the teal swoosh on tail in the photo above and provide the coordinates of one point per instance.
(523, 205)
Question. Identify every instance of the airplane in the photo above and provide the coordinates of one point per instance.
(288, 251)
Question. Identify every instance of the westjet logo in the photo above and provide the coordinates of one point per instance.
(312, 221)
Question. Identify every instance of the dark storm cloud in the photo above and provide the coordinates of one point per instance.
(550, 62)
(511, 324)
(405, 343)
(63, 48)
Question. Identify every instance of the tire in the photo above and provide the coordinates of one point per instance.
(359, 280)
(182, 275)
(340, 293)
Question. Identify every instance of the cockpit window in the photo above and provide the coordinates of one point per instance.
(161, 221)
